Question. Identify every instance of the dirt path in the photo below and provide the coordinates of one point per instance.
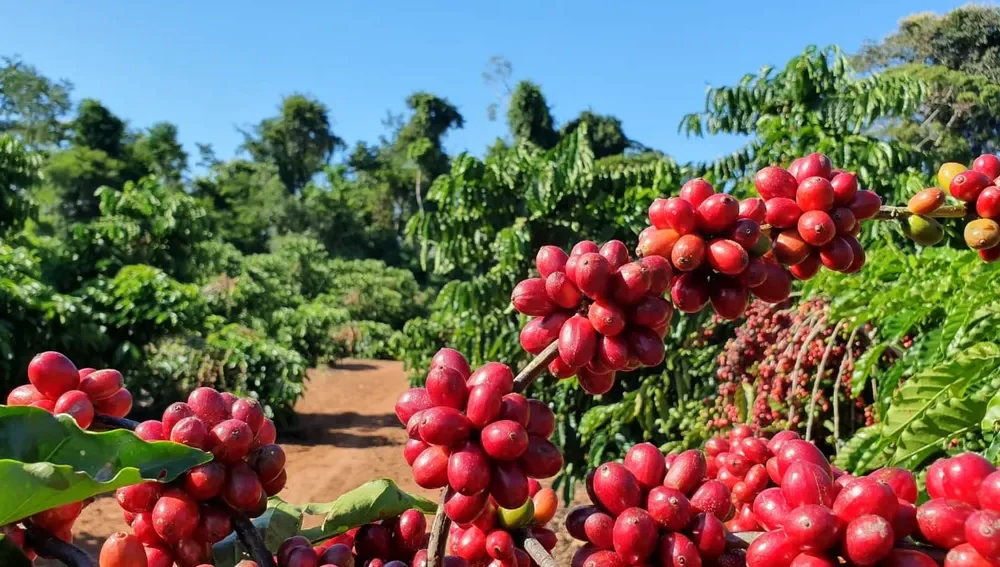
(348, 435)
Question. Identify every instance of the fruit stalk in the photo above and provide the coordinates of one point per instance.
(945, 212)
(250, 538)
(848, 360)
(793, 380)
(889, 212)
(820, 370)
(46, 544)
(534, 368)
(537, 551)
(115, 422)
(439, 535)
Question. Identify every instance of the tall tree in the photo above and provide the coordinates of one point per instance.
(19, 169)
(245, 200)
(32, 106)
(419, 142)
(605, 133)
(965, 39)
(816, 102)
(529, 117)
(98, 128)
(958, 55)
(299, 141)
(405, 164)
(161, 152)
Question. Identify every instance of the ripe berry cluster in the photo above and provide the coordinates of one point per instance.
(180, 521)
(979, 187)
(393, 542)
(652, 510)
(763, 352)
(819, 515)
(56, 521)
(470, 432)
(488, 538)
(57, 386)
(716, 244)
(815, 213)
(740, 461)
(605, 311)
(963, 514)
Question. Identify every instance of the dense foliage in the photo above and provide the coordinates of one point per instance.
(243, 277)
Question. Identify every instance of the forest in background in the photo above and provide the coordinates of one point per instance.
(305, 248)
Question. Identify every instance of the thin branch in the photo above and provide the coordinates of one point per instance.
(439, 535)
(803, 350)
(848, 360)
(250, 538)
(48, 545)
(945, 212)
(819, 375)
(899, 213)
(536, 367)
(537, 551)
(115, 422)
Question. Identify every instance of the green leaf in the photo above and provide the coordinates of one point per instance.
(11, 555)
(993, 451)
(48, 461)
(863, 450)
(280, 522)
(865, 365)
(936, 386)
(992, 416)
(375, 500)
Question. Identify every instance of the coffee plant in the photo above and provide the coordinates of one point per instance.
(200, 485)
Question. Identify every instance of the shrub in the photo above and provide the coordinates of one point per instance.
(234, 358)
(369, 339)
(139, 305)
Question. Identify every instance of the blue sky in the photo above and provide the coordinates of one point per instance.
(212, 66)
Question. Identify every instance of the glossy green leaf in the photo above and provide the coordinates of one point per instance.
(280, 522)
(375, 500)
(935, 386)
(48, 461)
(863, 451)
(991, 420)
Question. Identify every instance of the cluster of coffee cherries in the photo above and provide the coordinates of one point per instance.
(489, 538)
(58, 387)
(652, 510)
(979, 187)
(179, 522)
(815, 213)
(470, 432)
(716, 245)
(605, 310)
(400, 541)
(819, 515)
(963, 513)
(740, 461)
